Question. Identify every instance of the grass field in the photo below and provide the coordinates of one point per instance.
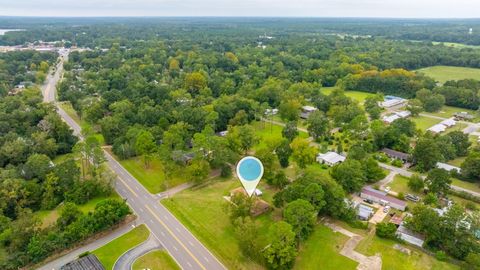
(423, 122)
(393, 259)
(449, 111)
(153, 177)
(356, 95)
(155, 260)
(48, 217)
(202, 211)
(268, 132)
(400, 184)
(109, 253)
(446, 73)
(322, 248)
(456, 45)
(67, 107)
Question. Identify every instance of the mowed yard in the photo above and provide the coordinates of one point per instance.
(155, 260)
(355, 95)
(447, 73)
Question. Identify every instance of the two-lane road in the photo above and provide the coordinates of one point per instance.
(174, 237)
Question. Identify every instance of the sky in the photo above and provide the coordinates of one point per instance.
(239, 8)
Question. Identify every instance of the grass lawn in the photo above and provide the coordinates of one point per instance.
(449, 111)
(457, 162)
(393, 259)
(446, 73)
(322, 248)
(153, 177)
(48, 217)
(109, 253)
(423, 122)
(67, 107)
(355, 95)
(202, 211)
(268, 132)
(155, 260)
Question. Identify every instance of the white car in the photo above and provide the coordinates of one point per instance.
(386, 209)
(387, 189)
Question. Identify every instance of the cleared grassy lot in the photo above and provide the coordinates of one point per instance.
(446, 73)
(153, 177)
(356, 95)
(202, 211)
(449, 111)
(423, 122)
(109, 253)
(155, 260)
(323, 249)
(393, 259)
(467, 185)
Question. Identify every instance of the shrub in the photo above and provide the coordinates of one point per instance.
(397, 163)
(441, 256)
(225, 171)
(401, 196)
(386, 230)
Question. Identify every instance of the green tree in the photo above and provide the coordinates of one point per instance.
(426, 154)
(471, 166)
(302, 216)
(241, 138)
(415, 107)
(350, 175)
(438, 181)
(281, 251)
(302, 153)
(290, 131)
(317, 124)
(194, 82)
(386, 230)
(289, 110)
(372, 107)
(373, 171)
(145, 146)
(284, 151)
(415, 183)
(37, 165)
(460, 141)
(248, 235)
(198, 170)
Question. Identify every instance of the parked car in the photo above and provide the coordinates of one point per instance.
(386, 209)
(387, 189)
(413, 198)
(368, 201)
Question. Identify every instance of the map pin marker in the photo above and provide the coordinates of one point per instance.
(250, 171)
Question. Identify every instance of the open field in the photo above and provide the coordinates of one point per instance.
(67, 107)
(356, 95)
(202, 211)
(322, 248)
(153, 177)
(456, 45)
(449, 111)
(109, 253)
(423, 122)
(155, 260)
(48, 217)
(268, 132)
(393, 259)
(447, 73)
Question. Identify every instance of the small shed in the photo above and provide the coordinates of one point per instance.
(449, 122)
(389, 119)
(364, 212)
(438, 128)
(306, 111)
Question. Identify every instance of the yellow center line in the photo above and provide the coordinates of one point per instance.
(174, 236)
(129, 188)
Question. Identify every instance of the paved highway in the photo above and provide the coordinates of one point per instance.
(173, 236)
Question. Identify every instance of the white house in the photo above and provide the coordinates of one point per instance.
(409, 236)
(438, 128)
(392, 102)
(447, 167)
(389, 119)
(449, 122)
(403, 114)
(306, 111)
(330, 158)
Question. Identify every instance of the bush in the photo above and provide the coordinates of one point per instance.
(471, 206)
(397, 163)
(401, 196)
(441, 256)
(386, 230)
(225, 171)
(86, 253)
(465, 195)
(357, 224)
